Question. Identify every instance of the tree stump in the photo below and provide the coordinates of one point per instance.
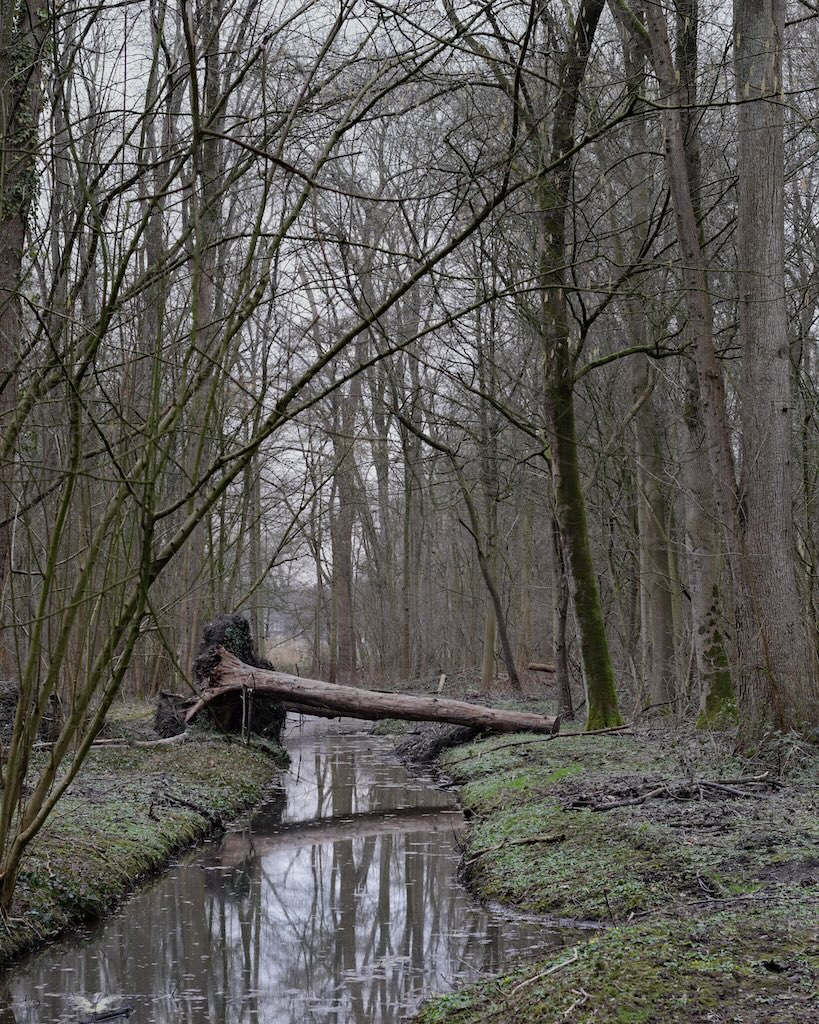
(49, 728)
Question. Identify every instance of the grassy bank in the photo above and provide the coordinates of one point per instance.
(705, 873)
(127, 812)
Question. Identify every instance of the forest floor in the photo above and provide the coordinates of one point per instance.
(700, 868)
(129, 810)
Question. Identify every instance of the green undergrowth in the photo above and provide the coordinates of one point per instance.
(126, 813)
(697, 888)
(758, 964)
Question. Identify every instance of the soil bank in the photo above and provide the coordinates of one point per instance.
(127, 812)
(708, 888)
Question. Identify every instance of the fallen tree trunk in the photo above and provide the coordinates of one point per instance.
(225, 675)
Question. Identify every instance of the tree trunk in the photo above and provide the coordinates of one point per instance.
(777, 684)
(656, 611)
(658, 683)
(524, 582)
(708, 623)
(767, 695)
(490, 631)
(598, 673)
(341, 531)
(22, 35)
(560, 619)
(225, 674)
(570, 508)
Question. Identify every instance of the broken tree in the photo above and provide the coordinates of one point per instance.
(226, 676)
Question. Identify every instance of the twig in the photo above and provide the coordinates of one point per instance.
(681, 791)
(732, 790)
(617, 730)
(102, 1015)
(631, 802)
(747, 779)
(546, 973)
(524, 841)
(167, 798)
(540, 838)
(767, 898)
(581, 1001)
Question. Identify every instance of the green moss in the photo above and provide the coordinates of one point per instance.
(719, 709)
(758, 965)
(714, 898)
(532, 842)
(574, 871)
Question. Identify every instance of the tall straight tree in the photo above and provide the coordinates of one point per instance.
(553, 192)
(544, 116)
(777, 682)
(716, 688)
(23, 30)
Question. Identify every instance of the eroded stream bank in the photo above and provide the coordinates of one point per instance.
(337, 901)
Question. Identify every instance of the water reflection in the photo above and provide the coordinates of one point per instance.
(337, 904)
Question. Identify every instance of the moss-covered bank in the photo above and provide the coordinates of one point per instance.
(709, 889)
(749, 966)
(127, 812)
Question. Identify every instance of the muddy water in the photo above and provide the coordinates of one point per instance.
(337, 902)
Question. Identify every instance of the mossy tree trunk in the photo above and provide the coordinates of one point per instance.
(559, 371)
(716, 687)
(23, 29)
(601, 693)
(560, 620)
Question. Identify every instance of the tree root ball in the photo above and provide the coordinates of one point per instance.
(50, 725)
(252, 712)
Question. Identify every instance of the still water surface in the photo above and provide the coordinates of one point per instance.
(336, 903)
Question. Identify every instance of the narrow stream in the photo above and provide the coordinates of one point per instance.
(337, 902)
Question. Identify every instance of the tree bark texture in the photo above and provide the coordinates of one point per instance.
(778, 673)
(560, 622)
(708, 621)
(570, 510)
(702, 534)
(225, 674)
(22, 36)
(601, 693)
(768, 697)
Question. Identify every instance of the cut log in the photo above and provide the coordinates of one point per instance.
(537, 666)
(225, 675)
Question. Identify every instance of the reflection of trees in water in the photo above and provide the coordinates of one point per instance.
(270, 927)
(7, 1015)
(360, 922)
